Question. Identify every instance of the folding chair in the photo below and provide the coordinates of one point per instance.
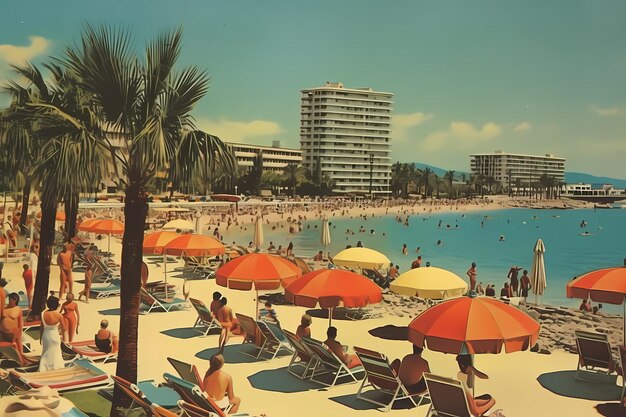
(447, 397)
(191, 393)
(205, 318)
(186, 371)
(328, 362)
(275, 339)
(155, 304)
(381, 377)
(302, 357)
(594, 354)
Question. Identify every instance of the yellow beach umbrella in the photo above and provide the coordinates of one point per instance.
(429, 282)
(363, 258)
(179, 224)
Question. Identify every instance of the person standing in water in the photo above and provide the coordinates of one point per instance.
(471, 273)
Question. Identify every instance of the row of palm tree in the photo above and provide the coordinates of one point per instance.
(405, 176)
(59, 129)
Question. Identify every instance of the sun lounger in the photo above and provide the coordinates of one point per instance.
(594, 354)
(28, 325)
(328, 362)
(252, 332)
(205, 318)
(275, 339)
(381, 377)
(191, 393)
(139, 399)
(113, 289)
(155, 304)
(299, 262)
(87, 349)
(186, 371)
(80, 374)
(10, 357)
(302, 357)
(190, 410)
(447, 397)
(159, 411)
(362, 313)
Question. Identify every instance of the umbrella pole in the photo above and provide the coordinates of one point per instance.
(109, 250)
(330, 316)
(165, 266)
(256, 308)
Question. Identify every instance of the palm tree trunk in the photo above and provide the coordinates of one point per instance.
(135, 212)
(46, 243)
(71, 213)
(25, 201)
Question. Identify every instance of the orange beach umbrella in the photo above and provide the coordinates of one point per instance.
(194, 245)
(86, 225)
(154, 242)
(109, 227)
(606, 285)
(469, 325)
(258, 270)
(332, 288)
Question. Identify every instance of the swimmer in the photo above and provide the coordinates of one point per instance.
(501, 238)
(439, 243)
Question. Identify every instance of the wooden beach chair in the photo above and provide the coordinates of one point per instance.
(594, 354)
(302, 357)
(447, 397)
(205, 319)
(381, 377)
(190, 410)
(138, 399)
(159, 411)
(327, 362)
(153, 303)
(275, 339)
(192, 394)
(80, 374)
(186, 371)
(87, 349)
(252, 332)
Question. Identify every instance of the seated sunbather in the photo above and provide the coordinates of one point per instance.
(219, 385)
(339, 350)
(411, 370)
(215, 304)
(304, 329)
(478, 405)
(106, 341)
(268, 313)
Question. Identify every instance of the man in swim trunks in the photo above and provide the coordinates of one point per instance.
(225, 316)
(512, 275)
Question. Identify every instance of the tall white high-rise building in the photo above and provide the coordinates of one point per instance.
(345, 135)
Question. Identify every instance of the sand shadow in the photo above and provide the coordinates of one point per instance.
(240, 353)
(279, 380)
(355, 403)
(110, 312)
(564, 384)
(391, 332)
(610, 410)
(338, 313)
(187, 332)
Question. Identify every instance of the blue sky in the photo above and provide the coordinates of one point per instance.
(468, 76)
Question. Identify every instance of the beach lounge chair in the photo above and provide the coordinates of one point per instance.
(186, 371)
(205, 319)
(381, 377)
(191, 393)
(275, 339)
(302, 357)
(87, 349)
(9, 357)
(155, 304)
(594, 354)
(28, 325)
(328, 362)
(112, 289)
(138, 398)
(159, 411)
(447, 397)
(252, 332)
(190, 410)
(80, 374)
(300, 263)
(362, 313)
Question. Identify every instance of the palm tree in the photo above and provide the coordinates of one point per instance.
(425, 177)
(294, 175)
(150, 104)
(449, 177)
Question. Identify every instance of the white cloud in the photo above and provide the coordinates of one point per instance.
(462, 135)
(403, 122)
(17, 55)
(235, 131)
(608, 111)
(522, 127)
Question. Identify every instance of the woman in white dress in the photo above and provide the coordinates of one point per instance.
(51, 322)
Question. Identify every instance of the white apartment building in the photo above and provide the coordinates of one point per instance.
(345, 134)
(523, 169)
(275, 158)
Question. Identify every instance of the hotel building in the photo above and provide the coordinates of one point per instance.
(275, 158)
(345, 134)
(525, 169)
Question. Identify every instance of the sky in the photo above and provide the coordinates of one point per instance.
(530, 76)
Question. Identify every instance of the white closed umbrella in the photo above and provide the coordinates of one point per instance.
(258, 233)
(325, 237)
(538, 272)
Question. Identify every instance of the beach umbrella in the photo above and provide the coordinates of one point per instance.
(473, 325)
(257, 239)
(179, 224)
(332, 288)
(429, 282)
(153, 243)
(325, 237)
(538, 271)
(107, 227)
(85, 226)
(363, 258)
(606, 285)
(260, 271)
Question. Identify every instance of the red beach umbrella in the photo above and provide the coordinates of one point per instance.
(109, 227)
(332, 288)
(606, 285)
(86, 225)
(258, 270)
(194, 245)
(154, 242)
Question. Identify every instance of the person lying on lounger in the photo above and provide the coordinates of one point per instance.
(411, 370)
(477, 405)
(106, 341)
(338, 349)
(219, 385)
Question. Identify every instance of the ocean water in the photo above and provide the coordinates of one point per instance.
(568, 253)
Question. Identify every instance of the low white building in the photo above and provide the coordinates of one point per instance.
(275, 158)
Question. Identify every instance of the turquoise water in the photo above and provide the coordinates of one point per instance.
(568, 254)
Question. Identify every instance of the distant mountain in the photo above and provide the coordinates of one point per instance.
(573, 177)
